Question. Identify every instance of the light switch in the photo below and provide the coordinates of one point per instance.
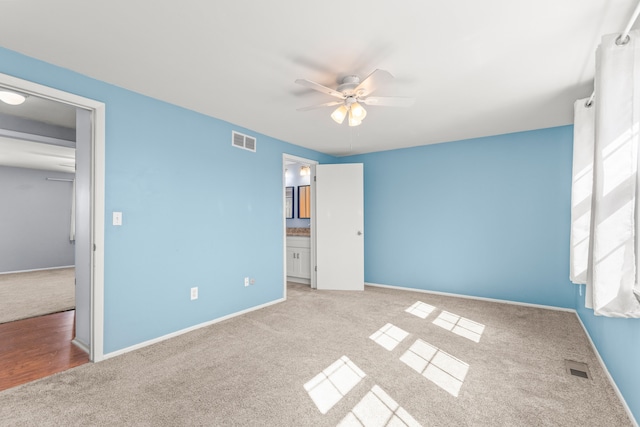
(117, 218)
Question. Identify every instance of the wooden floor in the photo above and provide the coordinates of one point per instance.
(37, 347)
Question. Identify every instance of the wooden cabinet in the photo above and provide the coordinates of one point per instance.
(298, 259)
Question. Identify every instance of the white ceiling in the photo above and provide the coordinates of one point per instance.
(42, 110)
(476, 68)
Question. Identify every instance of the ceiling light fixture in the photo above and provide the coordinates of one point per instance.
(339, 114)
(11, 98)
(305, 171)
(352, 93)
(353, 121)
(356, 114)
(355, 111)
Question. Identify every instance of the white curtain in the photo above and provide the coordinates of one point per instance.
(613, 250)
(581, 189)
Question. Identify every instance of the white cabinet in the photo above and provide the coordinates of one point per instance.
(298, 259)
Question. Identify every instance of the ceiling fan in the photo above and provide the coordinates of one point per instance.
(352, 93)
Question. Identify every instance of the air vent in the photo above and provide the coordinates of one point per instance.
(243, 141)
(577, 369)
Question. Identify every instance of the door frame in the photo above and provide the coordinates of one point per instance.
(97, 179)
(312, 242)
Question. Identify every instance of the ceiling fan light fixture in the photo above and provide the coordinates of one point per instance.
(11, 98)
(358, 112)
(339, 114)
(353, 121)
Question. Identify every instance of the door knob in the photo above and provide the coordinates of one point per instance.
(359, 233)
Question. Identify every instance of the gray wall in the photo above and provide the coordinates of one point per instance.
(35, 217)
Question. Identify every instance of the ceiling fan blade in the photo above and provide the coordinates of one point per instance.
(326, 104)
(373, 80)
(388, 101)
(319, 88)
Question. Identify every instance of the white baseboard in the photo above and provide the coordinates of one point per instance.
(82, 346)
(547, 307)
(189, 329)
(448, 294)
(298, 280)
(606, 371)
(37, 269)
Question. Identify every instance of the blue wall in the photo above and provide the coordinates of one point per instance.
(618, 342)
(196, 211)
(486, 217)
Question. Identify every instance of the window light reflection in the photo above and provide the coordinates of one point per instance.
(331, 385)
(420, 309)
(442, 369)
(377, 408)
(460, 326)
(389, 336)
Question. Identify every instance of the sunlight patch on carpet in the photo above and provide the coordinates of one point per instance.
(420, 309)
(442, 369)
(377, 408)
(389, 336)
(331, 385)
(460, 326)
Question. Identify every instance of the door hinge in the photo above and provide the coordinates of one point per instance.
(315, 268)
(314, 178)
(94, 247)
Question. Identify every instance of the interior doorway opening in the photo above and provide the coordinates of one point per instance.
(89, 289)
(299, 220)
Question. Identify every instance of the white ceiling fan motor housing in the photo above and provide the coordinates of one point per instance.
(349, 83)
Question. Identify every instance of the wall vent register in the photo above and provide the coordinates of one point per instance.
(243, 141)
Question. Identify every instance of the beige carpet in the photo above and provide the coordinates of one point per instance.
(35, 293)
(324, 357)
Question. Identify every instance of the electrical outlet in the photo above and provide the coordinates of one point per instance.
(252, 281)
(194, 293)
(246, 281)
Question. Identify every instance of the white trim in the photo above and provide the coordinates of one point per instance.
(36, 138)
(97, 194)
(80, 345)
(606, 371)
(98, 177)
(37, 269)
(300, 280)
(447, 294)
(189, 329)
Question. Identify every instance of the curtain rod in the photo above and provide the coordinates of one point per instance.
(623, 39)
(59, 179)
(627, 29)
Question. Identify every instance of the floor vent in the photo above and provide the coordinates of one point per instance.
(243, 141)
(577, 369)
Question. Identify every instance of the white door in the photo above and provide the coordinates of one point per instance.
(83, 248)
(340, 227)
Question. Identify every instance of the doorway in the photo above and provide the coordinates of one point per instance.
(90, 284)
(299, 220)
(336, 225)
